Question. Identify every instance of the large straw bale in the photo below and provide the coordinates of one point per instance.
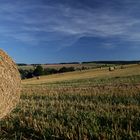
(9, 84)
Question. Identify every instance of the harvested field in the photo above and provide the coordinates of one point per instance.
(90, 108)
(94, 73)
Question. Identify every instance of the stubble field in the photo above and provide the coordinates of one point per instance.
(92, 104)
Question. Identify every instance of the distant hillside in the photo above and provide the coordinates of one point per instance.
(113, 62)
(87, 62)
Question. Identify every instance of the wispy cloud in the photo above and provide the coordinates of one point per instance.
(32, 23)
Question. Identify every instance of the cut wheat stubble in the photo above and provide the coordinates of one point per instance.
(10, 84)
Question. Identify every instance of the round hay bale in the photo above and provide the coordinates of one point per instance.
(9, 84)
(111, 68)
(38, 77)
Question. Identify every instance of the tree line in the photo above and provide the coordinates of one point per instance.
(39, 71)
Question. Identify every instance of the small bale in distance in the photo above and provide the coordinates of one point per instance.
(111, 68)
(10, 83)
(38, 77)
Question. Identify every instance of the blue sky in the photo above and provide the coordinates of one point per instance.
(53, 31)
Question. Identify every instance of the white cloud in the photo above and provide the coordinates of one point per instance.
(26, 23)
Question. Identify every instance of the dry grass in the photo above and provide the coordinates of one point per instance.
(77, 110)
(76, 106)
(9, 84)
(93, 73)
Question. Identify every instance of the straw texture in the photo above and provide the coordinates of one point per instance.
(9, 84)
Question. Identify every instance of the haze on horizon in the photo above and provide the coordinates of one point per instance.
(53, 31)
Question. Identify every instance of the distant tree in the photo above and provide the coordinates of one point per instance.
(48, 71)
(65, 69)
(30, 74)
(21, 64)
(26, 73)
(23, 73)
(62, 70)
(38, 71)
(84, 68)
(71, 69)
